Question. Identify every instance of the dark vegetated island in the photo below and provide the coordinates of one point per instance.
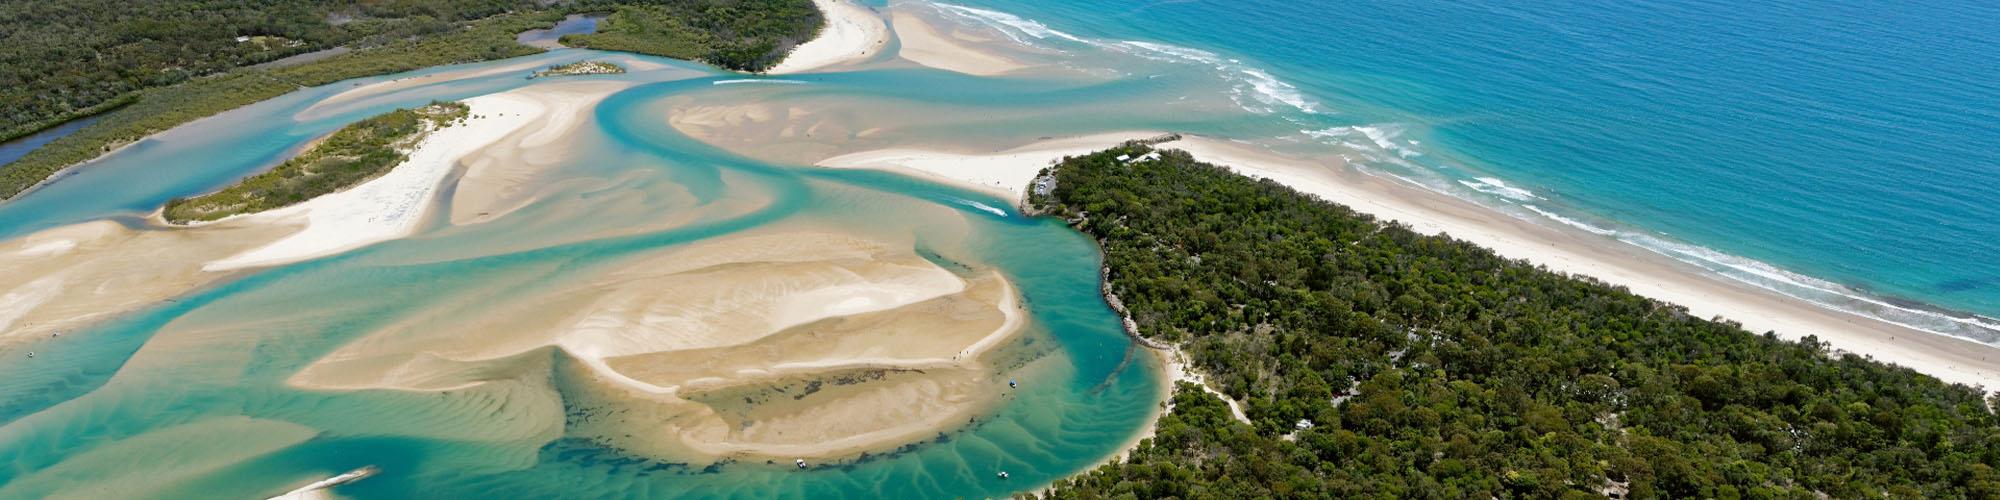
(1380, 363)
(151, 66)
(743, 35)
(350, 156)
(581, 68)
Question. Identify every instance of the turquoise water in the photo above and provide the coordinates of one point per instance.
(1844, 153)
(1787, 146)
(225, 351)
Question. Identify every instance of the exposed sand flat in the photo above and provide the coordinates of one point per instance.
(772, 130)
(390, 206)
(498, 179)
(842, 344)
(1005, 173)
(69, 277)
(1643, 272)
(923, 44)
(852, 33)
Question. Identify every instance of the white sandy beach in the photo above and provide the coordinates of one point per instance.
(1004, 173)
(1560, 249)
(1643, 272)
(852, 33)
(390, 206)
(68, 277)
(924, 44)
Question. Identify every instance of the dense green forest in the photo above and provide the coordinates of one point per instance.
(1432, 368)
(355, 153)
(739, 35)
(62, 60)
(161, 108)
(150, 75)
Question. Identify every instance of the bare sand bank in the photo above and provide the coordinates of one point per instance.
(1004, 173)
(780, 343)
(503, 176)
(390, 206)
(69, 277)
(65, 278)
(852, 33)
(924, 44)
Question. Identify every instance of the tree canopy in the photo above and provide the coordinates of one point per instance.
(1433, 368)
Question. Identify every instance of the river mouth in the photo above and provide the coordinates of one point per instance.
(895, 333)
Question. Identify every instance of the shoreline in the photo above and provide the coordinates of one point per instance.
(1003, 173)
(1616, 263)
(392, 205)
(1570, 251)
(852, 33)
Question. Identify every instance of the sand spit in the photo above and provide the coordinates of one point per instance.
(852, 33)
(65, 278)
(390, 206)
(499, 178)
(775, 344)
(923, 44)
(1645, 273)
(69, 277)
(1004, 173)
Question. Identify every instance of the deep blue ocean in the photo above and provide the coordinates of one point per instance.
(1843, 152)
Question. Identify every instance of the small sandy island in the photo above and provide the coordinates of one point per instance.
(852, 33)
(781, 343)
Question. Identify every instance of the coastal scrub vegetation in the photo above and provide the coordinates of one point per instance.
(740, 35)
(354, 154)
(1381, 363)
(64, 60)
(160, 108)
(581, 68)
(156, 65)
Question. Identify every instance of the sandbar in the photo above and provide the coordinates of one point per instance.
(390, 206)
(1005, 173)
(923, 44)
(781, 342)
